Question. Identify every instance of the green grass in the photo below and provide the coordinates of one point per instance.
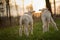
(11, 33)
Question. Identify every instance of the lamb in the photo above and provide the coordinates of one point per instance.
(26, 23)
(47, 19)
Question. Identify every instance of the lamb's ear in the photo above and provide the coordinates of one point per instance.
(32, 11)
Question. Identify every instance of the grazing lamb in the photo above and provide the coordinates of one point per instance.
(26, 23)
(46, 19)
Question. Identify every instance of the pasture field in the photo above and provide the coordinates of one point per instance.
(11, 33)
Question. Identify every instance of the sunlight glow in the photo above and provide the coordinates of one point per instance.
(19, 2)
(20, 5)
(38, 4)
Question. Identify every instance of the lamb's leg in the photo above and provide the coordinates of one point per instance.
(45, 28)
(54, 24)
(44, 21)
(31, 28)
(20, 30)
(47, 25)
(26, 31)
(48, 22)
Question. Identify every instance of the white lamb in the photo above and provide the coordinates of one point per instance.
(26, 23)
(46, 19)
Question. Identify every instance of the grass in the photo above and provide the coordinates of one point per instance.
(11, 33)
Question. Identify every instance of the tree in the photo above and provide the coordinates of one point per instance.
(54, 7)
(48, 5)
(8, 10)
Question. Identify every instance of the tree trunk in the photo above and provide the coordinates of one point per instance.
(48, 5)
(8, 10)
(54, 8)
